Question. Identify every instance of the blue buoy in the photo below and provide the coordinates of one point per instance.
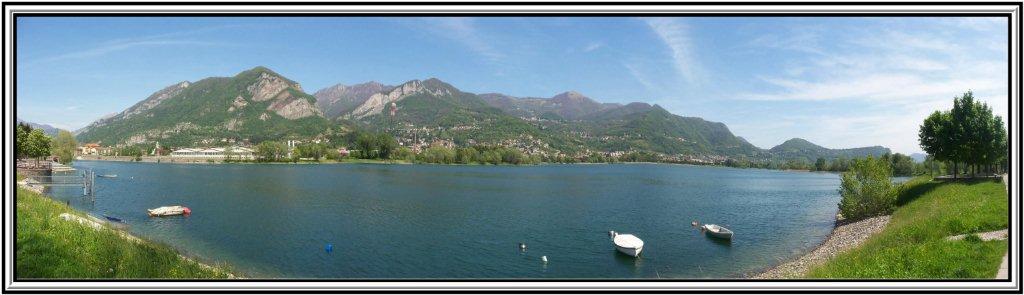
(329, 248)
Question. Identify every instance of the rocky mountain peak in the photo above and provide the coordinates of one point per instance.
(379, 101)
(267, 86)
(155, 99)
(340, 99)
(572, 96)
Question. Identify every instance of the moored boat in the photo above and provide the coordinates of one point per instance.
(107, 175)
(114, 219)
(169, 211)
(716, 231)
(627, 244)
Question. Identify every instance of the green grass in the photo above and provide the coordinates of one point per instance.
(914, 245)
(50, 247)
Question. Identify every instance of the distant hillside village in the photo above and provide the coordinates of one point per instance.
(195, 154)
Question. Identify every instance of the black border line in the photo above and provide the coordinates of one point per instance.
(14, 50)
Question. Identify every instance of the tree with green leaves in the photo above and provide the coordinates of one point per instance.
(466, 155)
(821, 164)
(311, 150)
(229, 154)
(840, 164)
(969, 134)
(936, 137)
(902, 165)
(271, 151)
(386, 145)
(37, 145)
(64, 147)
(404, 153)
(867, 189)
(366, 143)
(21, 139)
(437, 154)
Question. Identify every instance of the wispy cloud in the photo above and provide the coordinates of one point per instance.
(122, 44)
(106, 49)
(978, 23)
(806, 40)
(464, 31)
(676, 36)
(898, 75)
(893, 66)
(639, 76)
(593, 46)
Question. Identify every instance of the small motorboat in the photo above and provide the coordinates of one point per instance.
(627, 244)
(716, 231)
(113, 219)
(107, 175)
(169, 211)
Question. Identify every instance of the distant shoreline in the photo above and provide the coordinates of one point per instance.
(170, 160)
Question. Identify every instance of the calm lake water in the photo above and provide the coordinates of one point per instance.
(427, 221)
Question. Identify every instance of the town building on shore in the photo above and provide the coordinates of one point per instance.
(89, 149)
(216, 153)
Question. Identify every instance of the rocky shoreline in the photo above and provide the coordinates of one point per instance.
(844, 236)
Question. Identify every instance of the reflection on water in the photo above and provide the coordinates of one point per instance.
(424, 221)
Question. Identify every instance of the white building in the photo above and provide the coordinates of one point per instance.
(237, 153)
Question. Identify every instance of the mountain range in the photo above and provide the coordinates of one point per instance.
(47, 129)
(259, 104)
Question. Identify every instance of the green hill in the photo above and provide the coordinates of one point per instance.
(254, 105)
(800, 148)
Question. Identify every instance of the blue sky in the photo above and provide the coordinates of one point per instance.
(839, 82)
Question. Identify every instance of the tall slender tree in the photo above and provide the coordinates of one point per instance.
(64, 147)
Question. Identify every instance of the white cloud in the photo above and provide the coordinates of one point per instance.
(979, 23)
(111, 46)
(676, 36)
(639, 76)
(805, 40)
(103, 50)
(896, 75)
(593, 46)
(464, 31)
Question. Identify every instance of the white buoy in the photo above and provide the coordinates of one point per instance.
(544, 258)
(522, 246)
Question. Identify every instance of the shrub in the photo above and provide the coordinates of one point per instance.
(867, 189)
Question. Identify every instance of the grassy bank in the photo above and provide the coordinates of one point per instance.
(49, 247)
(914, 243)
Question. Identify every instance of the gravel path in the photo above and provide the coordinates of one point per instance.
(985, 236)
(843, 237)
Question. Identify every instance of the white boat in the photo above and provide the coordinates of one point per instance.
(627, 244)
(169, 210)
(107, 175)
(716, 231)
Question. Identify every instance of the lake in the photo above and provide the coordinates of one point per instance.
(435, 221)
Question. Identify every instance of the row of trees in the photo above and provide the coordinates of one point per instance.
(968, 136)
(471, 155)
(899, 164)
(33, 143)
(375, 146)
(275, 151)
